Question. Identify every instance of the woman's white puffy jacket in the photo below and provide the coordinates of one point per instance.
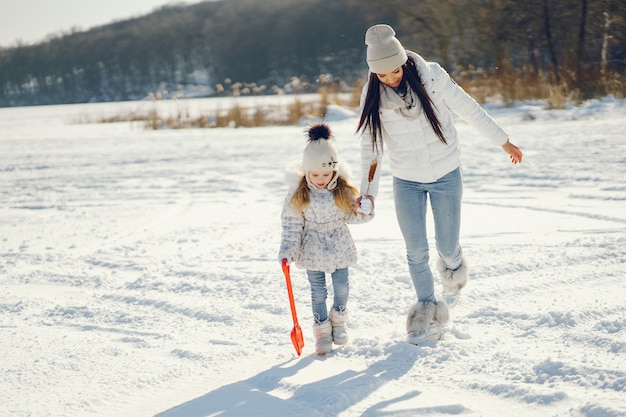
(413, 149)
(318, 238)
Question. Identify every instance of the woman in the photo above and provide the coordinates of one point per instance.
(406, 112)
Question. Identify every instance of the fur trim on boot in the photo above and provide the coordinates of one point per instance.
(338, 320)
(425, 321)
(453, 281)
(323, 337)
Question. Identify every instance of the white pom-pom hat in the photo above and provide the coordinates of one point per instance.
(320, 153)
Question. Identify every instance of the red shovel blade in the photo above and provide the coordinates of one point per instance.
(297, 339)
(296, 333)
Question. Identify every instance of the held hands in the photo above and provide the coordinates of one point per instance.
(365, 207)
(365, 204)
(514, 152)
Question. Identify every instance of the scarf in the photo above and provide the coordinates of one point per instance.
(401, 99)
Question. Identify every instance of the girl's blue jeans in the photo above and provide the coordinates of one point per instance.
(411, 204)
(319, 292)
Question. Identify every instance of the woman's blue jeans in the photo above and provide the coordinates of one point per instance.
(341, 290)
(411, 203)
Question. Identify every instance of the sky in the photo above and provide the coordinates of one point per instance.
(31, 21)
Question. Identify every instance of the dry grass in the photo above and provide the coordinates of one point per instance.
(234, 116)
(502, 84)
(511, 86)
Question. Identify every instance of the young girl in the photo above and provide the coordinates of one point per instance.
(315, 234)
(407, 110)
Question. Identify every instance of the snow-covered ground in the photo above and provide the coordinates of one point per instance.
(138, 275)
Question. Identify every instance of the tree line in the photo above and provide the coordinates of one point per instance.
(274, 46)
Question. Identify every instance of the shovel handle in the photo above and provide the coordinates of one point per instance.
(290, 292)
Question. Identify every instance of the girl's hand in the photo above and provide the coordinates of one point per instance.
(364, 206)
(514, 152)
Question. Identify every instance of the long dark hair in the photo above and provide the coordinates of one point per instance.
(370, 116)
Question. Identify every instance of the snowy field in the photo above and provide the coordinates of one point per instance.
(139, 278)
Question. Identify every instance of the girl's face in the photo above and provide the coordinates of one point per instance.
(320, 178)
(391, 78)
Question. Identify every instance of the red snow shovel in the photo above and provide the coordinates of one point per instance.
(296, 333)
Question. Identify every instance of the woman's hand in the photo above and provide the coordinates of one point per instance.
(514, 152)
(365, 207)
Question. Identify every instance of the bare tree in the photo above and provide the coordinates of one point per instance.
(550, 41)
(581, 31)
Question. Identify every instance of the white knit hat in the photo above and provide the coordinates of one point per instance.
(320, 154)
(384, 50)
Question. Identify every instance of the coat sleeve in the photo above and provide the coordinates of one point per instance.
(367, 158)
(292, 229)
(455, 98)
(360, 218)
(368, 155)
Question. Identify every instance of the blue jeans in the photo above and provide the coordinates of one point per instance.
(411, 202)
(341, 289)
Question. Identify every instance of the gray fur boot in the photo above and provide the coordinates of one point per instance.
(338, 320)
(452, 281)
(425, 321)
(323, 337)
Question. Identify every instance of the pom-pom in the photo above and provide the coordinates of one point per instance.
(319, 131)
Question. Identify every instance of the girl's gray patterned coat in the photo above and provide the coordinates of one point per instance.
(318, 239)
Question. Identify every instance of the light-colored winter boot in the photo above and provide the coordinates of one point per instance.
(452, 281)
(425, 321)
(323, 337)
(338, 320)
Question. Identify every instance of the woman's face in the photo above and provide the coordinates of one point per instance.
(320, 178)
(391, 78)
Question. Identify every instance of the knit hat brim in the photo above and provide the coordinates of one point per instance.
(389, 63)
